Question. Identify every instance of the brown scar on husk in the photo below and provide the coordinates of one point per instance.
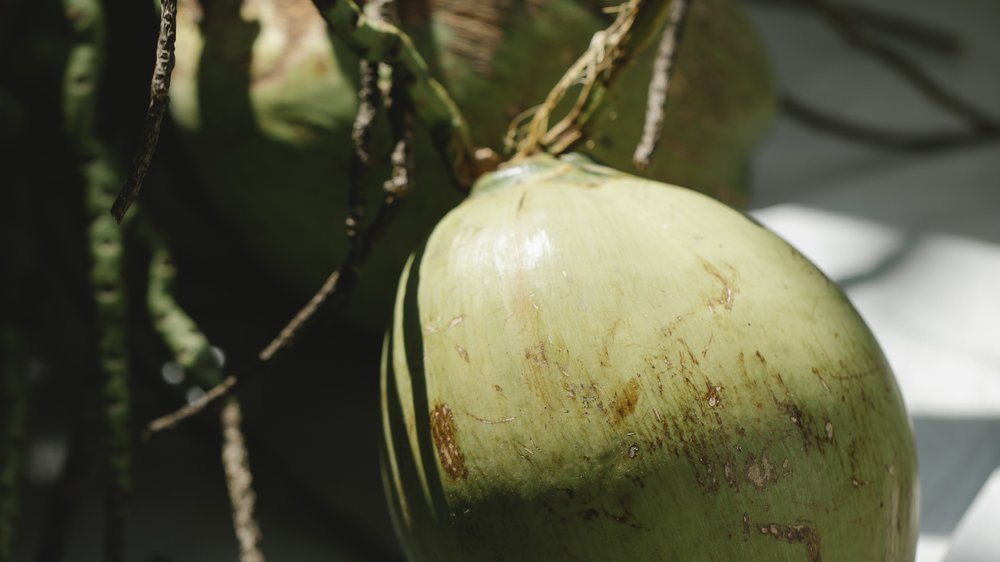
(795, 533)
(713, 396)
(624, 402)
(536, 353)
(508, 419)
(444, 433)
(727, 291)
(759, 473)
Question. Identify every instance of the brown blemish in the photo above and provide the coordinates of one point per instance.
(536, 354)
(760, 357)
(624, 403)
(713, 395)
(462, 353)
(444, 433)
(845, 374)
(710, 482)
(812, 434)
(730, 476)
(794, 413)
(852, 456)
(727, 291)
(605, 357)
(759, 473)
(795, 533)
(690, 354)
(623, 518)
(492, 422)
(456, 321)
(704, 351)
(822, 380)
(673, 325)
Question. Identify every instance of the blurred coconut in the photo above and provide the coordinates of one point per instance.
(264, 100)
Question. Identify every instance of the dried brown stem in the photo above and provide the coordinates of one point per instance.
(333, 294)
(659, 84)
(378, 41)
(239, 482)
(368, 97)
(597, 71)
(172, 419)
(158, 99)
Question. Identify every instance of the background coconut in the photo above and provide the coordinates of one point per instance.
(264, 99)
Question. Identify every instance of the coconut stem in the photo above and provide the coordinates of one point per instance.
(598, 70)
(190, 347)
(158, 99)
(659, 84)
(378, 41)
(84, 69)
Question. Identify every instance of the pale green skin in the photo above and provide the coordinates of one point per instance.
(592, 366)
(264, 101)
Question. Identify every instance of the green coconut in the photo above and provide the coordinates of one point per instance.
(587, 365)
(264, 99)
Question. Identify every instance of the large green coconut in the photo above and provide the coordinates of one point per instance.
(586, 365)
(264, 102)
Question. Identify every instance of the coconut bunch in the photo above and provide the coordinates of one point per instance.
(582, 363)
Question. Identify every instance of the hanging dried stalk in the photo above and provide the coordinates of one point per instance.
(159, 89)
(596, 72)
